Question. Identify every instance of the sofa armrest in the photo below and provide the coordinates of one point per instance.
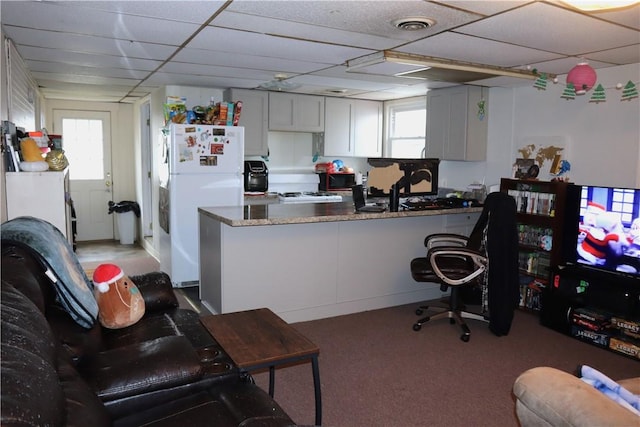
(143, 367)
(157, 290)
(550, 397)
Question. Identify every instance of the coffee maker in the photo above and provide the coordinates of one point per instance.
(256, 176)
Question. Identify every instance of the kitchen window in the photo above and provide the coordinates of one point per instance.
(406, 128)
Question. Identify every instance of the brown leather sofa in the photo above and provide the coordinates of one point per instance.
(165, 370)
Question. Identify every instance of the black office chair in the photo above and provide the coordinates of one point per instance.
(457, 261)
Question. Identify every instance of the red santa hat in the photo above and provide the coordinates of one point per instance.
(106, 274)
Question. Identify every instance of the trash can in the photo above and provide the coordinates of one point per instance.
(127, 211)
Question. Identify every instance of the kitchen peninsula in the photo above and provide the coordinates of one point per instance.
(316, 260)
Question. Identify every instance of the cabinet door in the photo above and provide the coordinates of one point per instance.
(438, 105)
(254, 119)
(296, 113)
(310, 111)
(281, 111)
(368, 128)
(455, 146)
(455, 130)
(338, 132)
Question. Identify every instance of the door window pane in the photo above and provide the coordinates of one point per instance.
(82, 141)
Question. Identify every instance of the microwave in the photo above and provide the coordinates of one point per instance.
(336, 181)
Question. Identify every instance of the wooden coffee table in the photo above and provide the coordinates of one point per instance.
(258, 339)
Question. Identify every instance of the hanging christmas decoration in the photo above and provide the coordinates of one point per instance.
(541, 82)
(598, 95)
(569, 92)
(583, 77)
(481, 109)
(630, 91)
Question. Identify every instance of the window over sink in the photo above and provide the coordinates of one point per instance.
(406, 128)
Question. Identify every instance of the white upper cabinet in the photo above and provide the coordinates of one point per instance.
(254, 117)
(368, 128)
(353, 128)
(457, 123)
(296, 113)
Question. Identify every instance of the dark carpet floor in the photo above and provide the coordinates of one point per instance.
(376, 371)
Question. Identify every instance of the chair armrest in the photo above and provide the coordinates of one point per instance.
(437, 254)
(445, 238)
(551, 397)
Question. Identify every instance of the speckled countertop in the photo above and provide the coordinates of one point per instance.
(301, 213)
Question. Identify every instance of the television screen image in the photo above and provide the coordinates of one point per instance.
(609, 229)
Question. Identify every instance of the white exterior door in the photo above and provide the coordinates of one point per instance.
(86, 138)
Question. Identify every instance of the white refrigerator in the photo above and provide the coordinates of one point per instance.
(201, 165)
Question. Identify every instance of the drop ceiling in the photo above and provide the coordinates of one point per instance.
(120, 51)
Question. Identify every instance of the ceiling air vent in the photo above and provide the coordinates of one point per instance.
(414, 23)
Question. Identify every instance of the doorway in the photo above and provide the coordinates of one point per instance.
(86, 137)
(146, 170)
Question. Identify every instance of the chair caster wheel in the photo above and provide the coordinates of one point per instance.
(417, 327)
(419, 312)
(465, 337)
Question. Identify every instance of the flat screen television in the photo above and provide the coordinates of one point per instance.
(603, 225)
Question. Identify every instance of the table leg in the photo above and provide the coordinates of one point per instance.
(272, 379)
(316, 386)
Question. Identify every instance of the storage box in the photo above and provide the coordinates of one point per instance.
(628, 327)
(595, 320)
(625, 345)
(596, 338)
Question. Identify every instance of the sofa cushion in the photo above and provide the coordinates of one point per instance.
(229, 405)
(157, 290)
(142, 367)
(28, 363)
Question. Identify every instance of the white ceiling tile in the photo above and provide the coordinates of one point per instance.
(485, 7)
(368, 17)
(240, 60)
(89, 60)
(63, 17)
(552, 29)
(231, 41)
(629, 16)
(89, 44)
(68, 69)
(619, 56)
(264, 25)
(79, 79)
(196, 12)
(472, 49)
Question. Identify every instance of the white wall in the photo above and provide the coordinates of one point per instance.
(603, 140)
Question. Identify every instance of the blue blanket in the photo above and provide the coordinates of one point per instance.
(73, 288)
